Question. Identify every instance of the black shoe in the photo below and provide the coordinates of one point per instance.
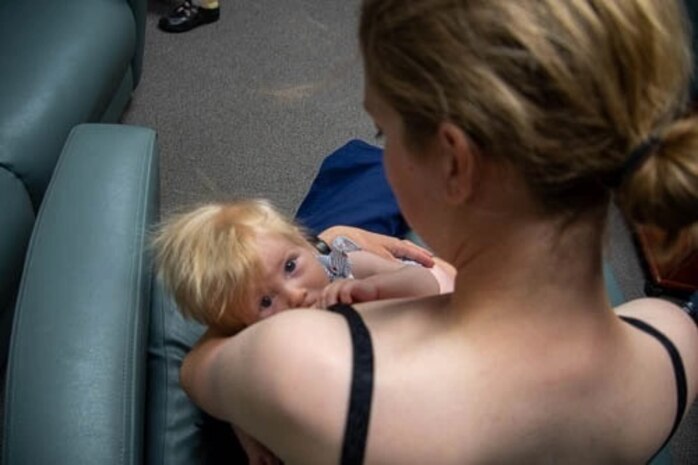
(187, 16)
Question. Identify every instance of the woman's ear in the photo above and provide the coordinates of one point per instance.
(458, 163)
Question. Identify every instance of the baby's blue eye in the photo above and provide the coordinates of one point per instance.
(290, 266)
(265, 302)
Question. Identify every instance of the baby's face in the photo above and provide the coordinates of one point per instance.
(292, 276)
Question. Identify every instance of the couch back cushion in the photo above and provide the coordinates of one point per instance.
(61, 64)
(177, 431)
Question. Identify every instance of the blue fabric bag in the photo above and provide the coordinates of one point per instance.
(351, 189)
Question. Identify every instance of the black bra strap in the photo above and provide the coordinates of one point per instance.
(361, 394)
(679, 371)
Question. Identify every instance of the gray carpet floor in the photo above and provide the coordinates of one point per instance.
(251, 104)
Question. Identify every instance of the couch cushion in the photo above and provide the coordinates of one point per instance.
(173, 424)
(16, 222)
(60, 64)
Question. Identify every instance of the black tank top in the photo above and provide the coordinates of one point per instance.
(361, 393)
(679, 373)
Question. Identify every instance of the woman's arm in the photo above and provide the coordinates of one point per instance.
(195, 378)
(381, 245)
(195, 373)
(365, 264)
(284, 381)
(224, 376)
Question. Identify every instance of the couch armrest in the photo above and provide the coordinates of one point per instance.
(76, 377)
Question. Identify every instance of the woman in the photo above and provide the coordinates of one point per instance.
(508, 127)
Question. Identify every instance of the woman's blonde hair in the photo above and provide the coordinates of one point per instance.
(208, 258)
(563, 90)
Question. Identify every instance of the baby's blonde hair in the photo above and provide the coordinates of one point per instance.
(208, 260)
(563, 90)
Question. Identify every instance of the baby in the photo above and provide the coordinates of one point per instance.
(230, 265)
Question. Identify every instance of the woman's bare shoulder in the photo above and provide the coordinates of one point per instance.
(665, 316)
(286, 380)
(669, 319)
(313, 347)
(298, 339)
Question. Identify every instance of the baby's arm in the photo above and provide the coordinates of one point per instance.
(388, 282)
(365, 264)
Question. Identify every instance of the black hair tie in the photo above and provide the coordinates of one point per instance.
(636, 158)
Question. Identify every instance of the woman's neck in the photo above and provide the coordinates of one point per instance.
(532, 266)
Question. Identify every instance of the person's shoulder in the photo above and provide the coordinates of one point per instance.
(669, 319)
(305, 358)
(301, 347)
(662, 314)
(298, 322)
(297, 333)
(285, 380)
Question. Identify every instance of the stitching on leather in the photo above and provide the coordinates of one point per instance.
(137, 266)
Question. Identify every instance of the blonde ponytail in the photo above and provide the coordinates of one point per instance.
(662, 191)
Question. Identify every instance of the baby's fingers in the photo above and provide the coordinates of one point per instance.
(330, 295)
(346, 292)
(362, 291)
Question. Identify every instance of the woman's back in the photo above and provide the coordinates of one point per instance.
(451, 398)
(523, 364)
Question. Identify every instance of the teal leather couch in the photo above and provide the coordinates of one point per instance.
(75, 380)
(76, 198)
(90, 346)
(62, 64)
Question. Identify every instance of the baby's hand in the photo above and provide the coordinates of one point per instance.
(348, 291)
